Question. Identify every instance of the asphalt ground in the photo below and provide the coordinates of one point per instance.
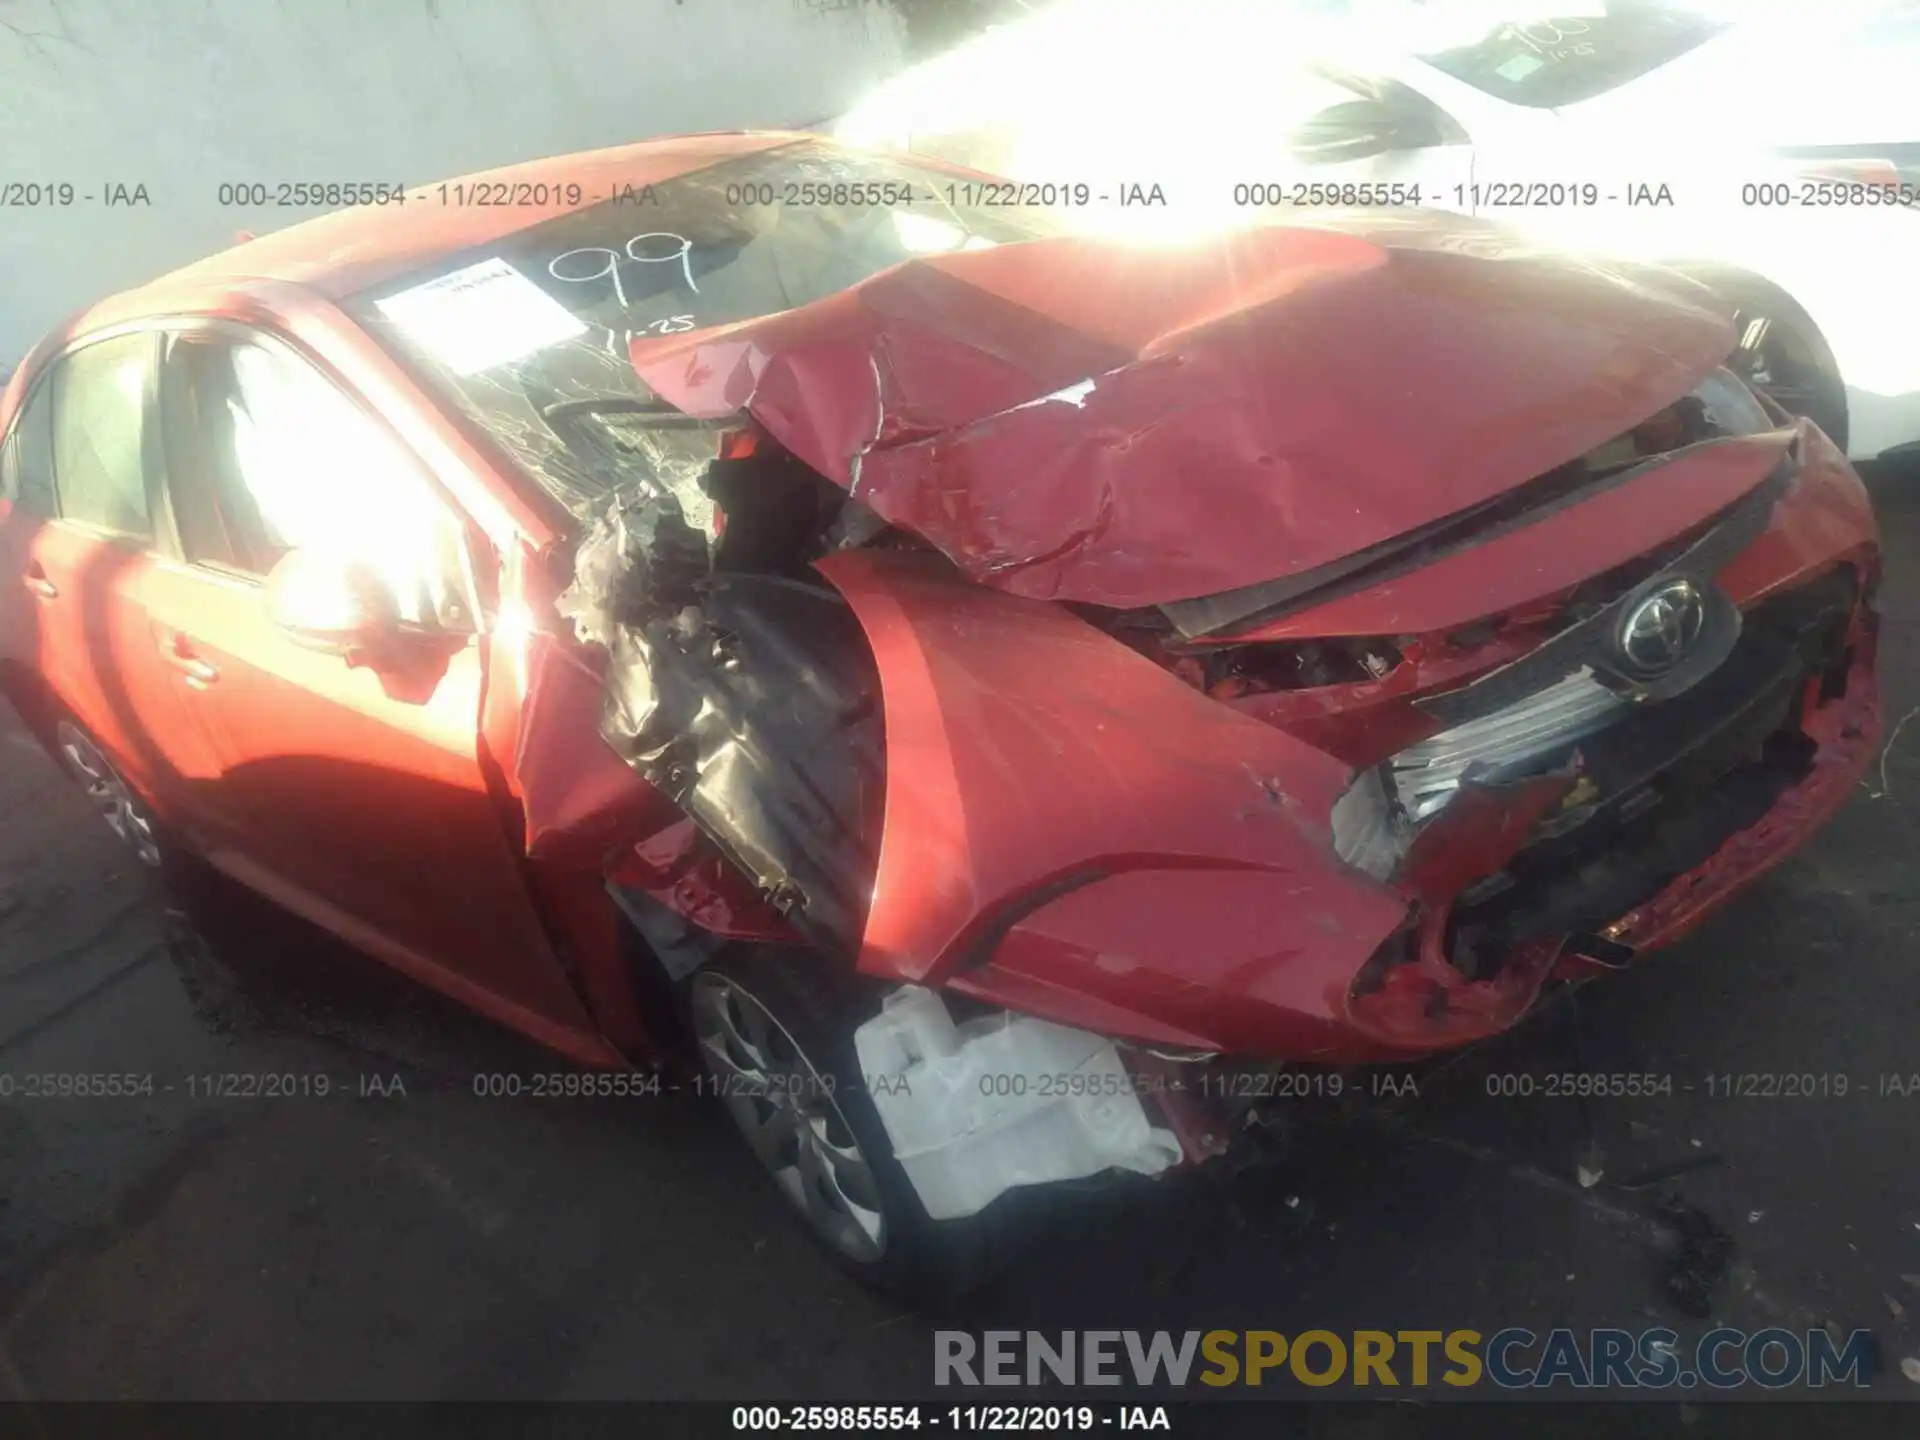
(405, 1238)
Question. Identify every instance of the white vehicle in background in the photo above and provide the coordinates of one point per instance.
(1770, 151)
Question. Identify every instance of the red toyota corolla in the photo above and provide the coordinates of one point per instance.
(986, 692)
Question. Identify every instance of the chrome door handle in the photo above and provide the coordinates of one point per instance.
(175, 651)
(39, 584)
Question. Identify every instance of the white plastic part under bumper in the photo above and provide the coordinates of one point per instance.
(976, 1109)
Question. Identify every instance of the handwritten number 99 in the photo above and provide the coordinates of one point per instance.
(610, 269)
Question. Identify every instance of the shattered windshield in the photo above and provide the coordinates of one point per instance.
(528, 335)
(1551, 59)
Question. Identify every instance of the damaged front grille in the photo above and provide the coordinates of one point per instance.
(1592, 640)
(1585, 678)
(1426, 775)
(1667, 783)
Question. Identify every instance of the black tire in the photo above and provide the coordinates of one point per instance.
(1794, 343)
(216, 993)
(921, 1259)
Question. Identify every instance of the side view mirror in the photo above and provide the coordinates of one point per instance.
(333, 605)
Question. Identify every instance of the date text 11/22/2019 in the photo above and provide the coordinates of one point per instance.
(1043, 1419)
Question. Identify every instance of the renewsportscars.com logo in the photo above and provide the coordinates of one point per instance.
(1510, 1359)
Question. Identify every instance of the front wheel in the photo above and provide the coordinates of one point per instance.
(775, 1035)
(119, 805)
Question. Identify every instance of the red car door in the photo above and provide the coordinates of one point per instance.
(355, 795)
(82, 465)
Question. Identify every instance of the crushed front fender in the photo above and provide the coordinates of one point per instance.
(1068, 823)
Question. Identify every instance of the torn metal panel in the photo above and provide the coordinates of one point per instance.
(1426, 1005)
(641, 558)
(581, 803)
(738, 695)
(1077, 419)
(682, 869)
(756, 710)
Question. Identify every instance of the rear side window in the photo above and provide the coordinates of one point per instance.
(26, 460)
(99, 435)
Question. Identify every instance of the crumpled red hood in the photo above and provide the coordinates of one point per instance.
(1084, 419)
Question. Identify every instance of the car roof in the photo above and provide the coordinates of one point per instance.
(353, 249)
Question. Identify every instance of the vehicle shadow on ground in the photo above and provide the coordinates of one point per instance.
(249, 967)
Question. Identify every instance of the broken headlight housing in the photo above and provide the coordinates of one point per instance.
(1371, 828)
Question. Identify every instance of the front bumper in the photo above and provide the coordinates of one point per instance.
(1505, 895)
(1768, 749)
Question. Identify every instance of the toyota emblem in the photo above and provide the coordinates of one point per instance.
(1657, 632)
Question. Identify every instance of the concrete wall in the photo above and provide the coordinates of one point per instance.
(182, 95)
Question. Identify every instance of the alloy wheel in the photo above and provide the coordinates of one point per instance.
(784, 1105)
(110, 794)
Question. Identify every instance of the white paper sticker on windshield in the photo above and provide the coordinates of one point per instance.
(481, 316)
(1518, 67)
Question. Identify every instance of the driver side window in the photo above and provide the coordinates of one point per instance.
(266, 455)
